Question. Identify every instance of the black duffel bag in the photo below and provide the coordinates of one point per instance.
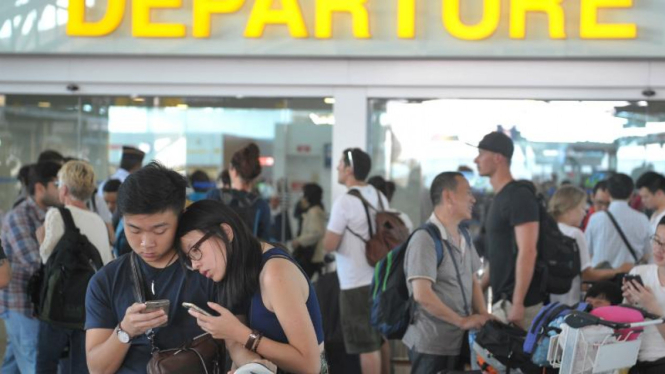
(505, 343)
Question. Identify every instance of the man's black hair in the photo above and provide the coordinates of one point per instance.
(446, 181)
(200, 181)
(42, 173)
(51, 155)
(112, 185)
(152, 189)
(359, 160)
(24, 175)
(652, 181)
(601, 185)
(608, 290)
(620, 186)
(131, 158)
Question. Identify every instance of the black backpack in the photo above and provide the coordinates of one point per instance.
(558, 260)
(66, 276)
(244, 205)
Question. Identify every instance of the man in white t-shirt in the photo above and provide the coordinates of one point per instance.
(355, 274)
(651, 187)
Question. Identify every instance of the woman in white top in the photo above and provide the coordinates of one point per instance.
(568, 206)
(308, 246)
(76, 183)
(651, 297)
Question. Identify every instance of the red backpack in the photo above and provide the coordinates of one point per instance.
(390, 230)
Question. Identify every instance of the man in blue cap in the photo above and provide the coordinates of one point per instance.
(511, 235)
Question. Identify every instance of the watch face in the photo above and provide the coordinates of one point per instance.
(123, 337)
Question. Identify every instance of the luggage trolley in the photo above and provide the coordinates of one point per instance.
(590, 345)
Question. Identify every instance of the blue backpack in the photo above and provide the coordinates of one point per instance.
(391, 308)
(547, 324)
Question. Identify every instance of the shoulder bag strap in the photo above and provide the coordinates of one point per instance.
(366, 205)
(459, 277)
(139, 293)
(623, 236)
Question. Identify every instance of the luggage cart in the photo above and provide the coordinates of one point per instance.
(590, 345)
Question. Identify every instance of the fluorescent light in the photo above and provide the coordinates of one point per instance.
(44, 104)
(329, 100)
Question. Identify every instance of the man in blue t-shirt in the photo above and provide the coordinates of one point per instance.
(150, 200)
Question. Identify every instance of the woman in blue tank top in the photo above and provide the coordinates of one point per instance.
(283, 321)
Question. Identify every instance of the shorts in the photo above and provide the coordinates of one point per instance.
(359, 335)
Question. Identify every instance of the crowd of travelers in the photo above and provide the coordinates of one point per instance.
(115, 277)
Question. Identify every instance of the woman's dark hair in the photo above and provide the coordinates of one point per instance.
(224, 177)
(243, 253)
(609, 290)
(313, 193)
(246, 162)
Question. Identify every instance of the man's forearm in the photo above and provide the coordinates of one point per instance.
(108, 356)
(478, 298)
(524, 267)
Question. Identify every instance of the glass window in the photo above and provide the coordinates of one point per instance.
(555, 141)
(185, 133)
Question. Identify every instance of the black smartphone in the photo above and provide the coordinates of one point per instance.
(636, 278)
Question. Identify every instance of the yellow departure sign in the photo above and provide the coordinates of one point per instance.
(288, 14)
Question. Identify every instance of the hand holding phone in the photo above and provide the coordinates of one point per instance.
(196, 308)
(636, 278)
(153, 305)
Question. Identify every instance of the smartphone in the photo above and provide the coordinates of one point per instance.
(636, 278)
(154, 305)
(196, 308)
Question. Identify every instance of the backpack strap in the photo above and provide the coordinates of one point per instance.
(433, 230)
(623, 236)
(366, 205)
(67, 219)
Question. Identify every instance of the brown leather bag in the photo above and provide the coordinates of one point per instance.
(390, 230)
(200, 355)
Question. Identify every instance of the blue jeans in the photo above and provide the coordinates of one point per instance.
(422, 363)
(22, 335)
(53, 341)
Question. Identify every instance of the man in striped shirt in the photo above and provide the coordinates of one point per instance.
(20, 241)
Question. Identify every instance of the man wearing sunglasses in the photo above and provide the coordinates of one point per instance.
(347, 227)
(150, 200)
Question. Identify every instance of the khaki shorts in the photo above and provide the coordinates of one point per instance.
(359, 335)
(502, 308)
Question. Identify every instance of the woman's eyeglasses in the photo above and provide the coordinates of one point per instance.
(194, 253)
(657, 244)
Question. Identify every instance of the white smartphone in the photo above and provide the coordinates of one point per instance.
(196, 308)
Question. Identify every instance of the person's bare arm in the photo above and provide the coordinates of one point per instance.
(485, 279)
(104, 351)
(331, 241)
(526, 237)
(5, 273)
(479, 305)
